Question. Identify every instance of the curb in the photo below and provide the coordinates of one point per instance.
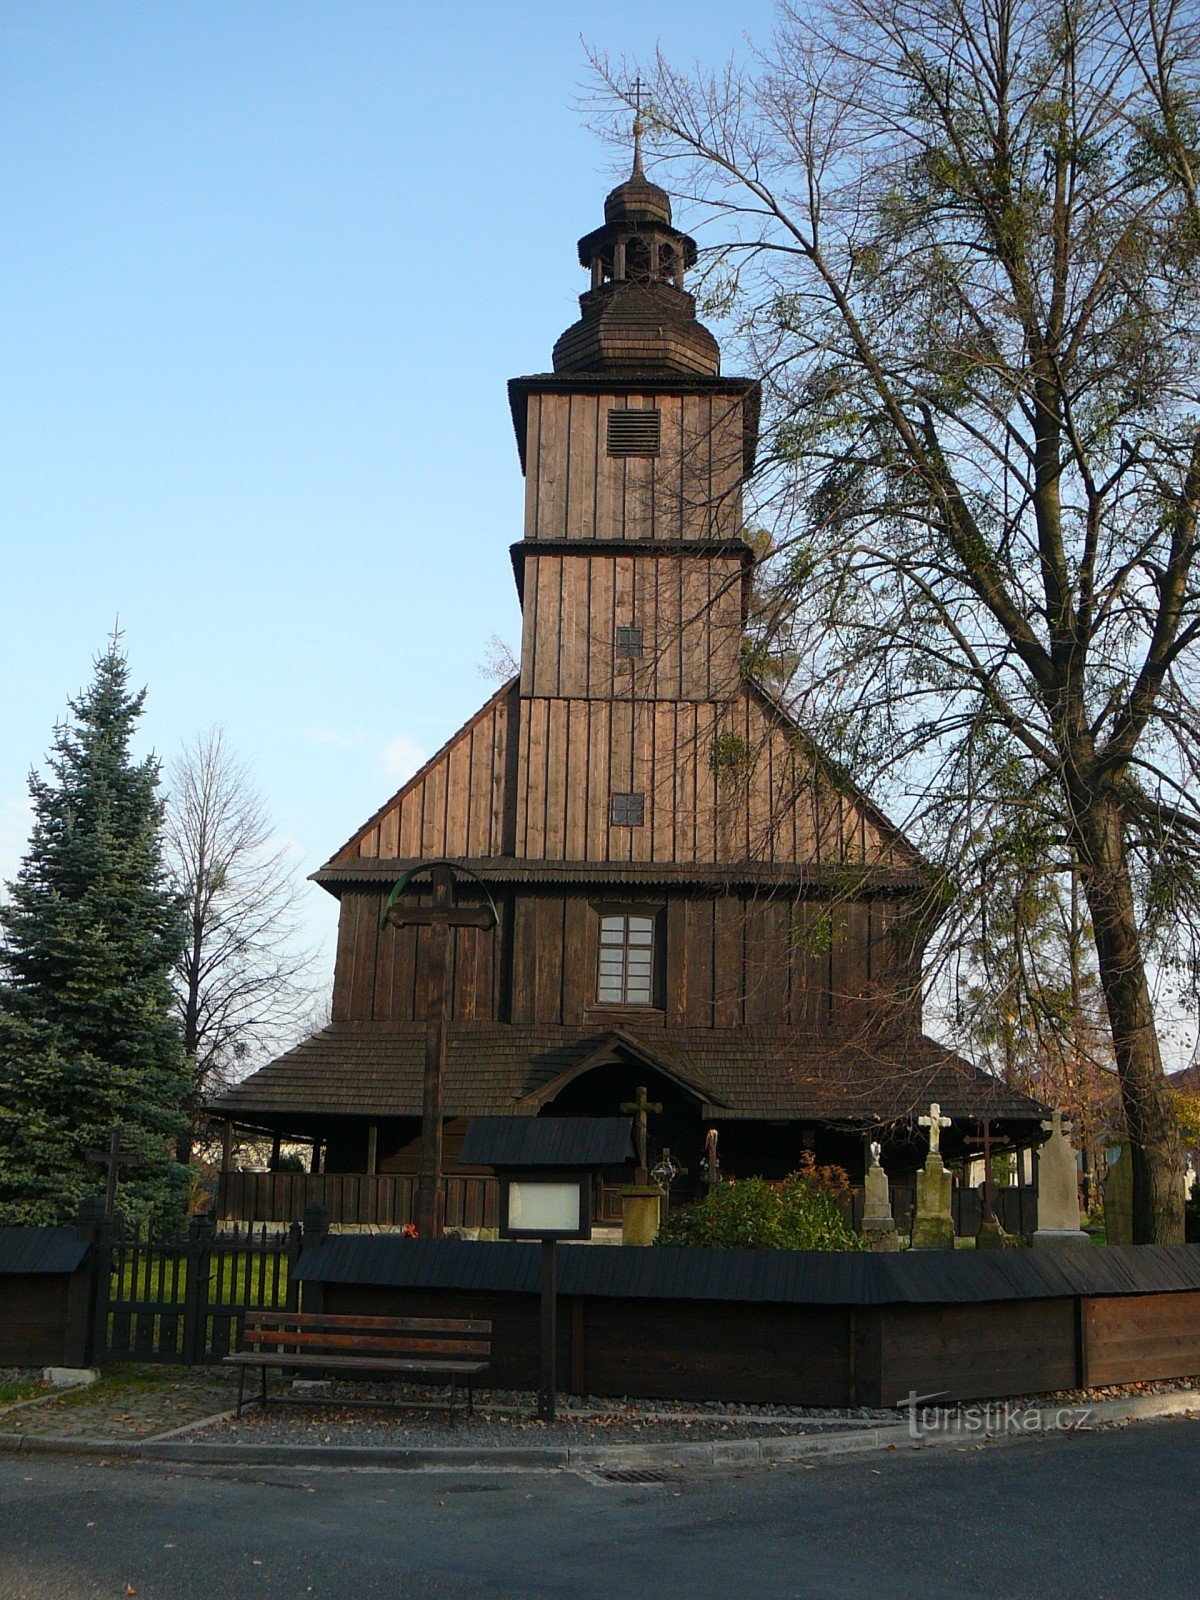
(777, 1451)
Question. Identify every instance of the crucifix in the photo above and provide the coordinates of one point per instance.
(989, 1146)
(640, 1107)
(439, 918)
(935, 1122)
(113, 1158)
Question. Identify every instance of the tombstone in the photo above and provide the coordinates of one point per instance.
(1118, 1198)
(933, 1220)
(878, 1224)
(1058, 1189)
(641, 1213)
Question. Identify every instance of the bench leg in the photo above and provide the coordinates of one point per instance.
(471, 1395)
(241, 1388)
(263, 1370)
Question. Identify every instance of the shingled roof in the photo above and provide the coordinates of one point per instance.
(370, 1069)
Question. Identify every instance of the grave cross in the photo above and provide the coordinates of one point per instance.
(935, 1122)
(640, 1107)
(989, 1146)
(113, 1158)
(439, 918)
(1057, 1125)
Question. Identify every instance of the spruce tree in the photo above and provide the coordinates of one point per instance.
(88, 938)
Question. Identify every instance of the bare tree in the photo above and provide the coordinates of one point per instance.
(241, 985)
(960, 239)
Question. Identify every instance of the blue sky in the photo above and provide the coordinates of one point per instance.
(267, 267)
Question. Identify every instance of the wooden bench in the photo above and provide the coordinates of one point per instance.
(446, 1348)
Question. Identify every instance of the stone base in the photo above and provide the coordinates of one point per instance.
(933, 1232)
(641, 1213)
(880, 1235)
(990, 1237)
(1061, 1236)
(70, 1377)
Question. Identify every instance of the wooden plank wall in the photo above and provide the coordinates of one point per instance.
(779, 807)
(811, 1355)
(728, 960)
(688, 607)
(456, 805)
(1133, 1338)
(691, 490)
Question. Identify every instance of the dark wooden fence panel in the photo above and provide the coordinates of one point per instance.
(352, 1199)
(1130, 1338)
(178, 1301)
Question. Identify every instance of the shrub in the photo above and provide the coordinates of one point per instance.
(801, 1213)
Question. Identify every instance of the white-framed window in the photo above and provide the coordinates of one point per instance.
(626, 976)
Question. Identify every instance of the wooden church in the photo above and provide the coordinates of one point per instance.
(688, 897)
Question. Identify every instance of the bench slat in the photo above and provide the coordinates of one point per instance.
(323, 1320)
(254, 1358)
(397, 1344)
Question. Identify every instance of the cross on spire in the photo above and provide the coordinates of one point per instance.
(636, 89)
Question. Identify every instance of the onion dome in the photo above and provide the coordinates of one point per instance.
(637, 317)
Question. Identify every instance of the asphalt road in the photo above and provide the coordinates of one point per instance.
(1101, 1516)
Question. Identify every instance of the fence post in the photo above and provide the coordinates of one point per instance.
(295, 1243)
(100, 1231)
(316, 1231)
(195, 1295)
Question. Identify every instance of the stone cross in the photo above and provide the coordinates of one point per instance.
(935, 1122)
(1057, 1125)
(639, 1108)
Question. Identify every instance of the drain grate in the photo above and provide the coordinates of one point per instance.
(637, 1475)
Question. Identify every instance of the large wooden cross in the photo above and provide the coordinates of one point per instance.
(439, 918)
(115, 1157)
(639, 1108)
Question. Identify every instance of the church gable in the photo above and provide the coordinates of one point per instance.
(710, 782)
(455, 804)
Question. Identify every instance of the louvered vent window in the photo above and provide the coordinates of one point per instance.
(633, 433)
(629, 642)
(626, 975)
(628, 810)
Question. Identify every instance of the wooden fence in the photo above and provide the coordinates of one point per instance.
(180, 1300)
(359, 1200)
(351, 1198)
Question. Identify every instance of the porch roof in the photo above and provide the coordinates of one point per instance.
(367, 1069)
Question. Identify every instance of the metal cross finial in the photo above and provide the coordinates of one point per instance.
(636, 88)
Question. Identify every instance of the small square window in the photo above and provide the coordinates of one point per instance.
(633, 433)
(628, 810)
(629, 643)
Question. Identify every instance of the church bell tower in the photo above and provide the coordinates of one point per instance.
(633, 568)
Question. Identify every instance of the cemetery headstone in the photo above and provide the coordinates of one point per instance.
(1058, 1189)
(933, 1220)
(878, 1224)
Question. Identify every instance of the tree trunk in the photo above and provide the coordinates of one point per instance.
(1145, 1096)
